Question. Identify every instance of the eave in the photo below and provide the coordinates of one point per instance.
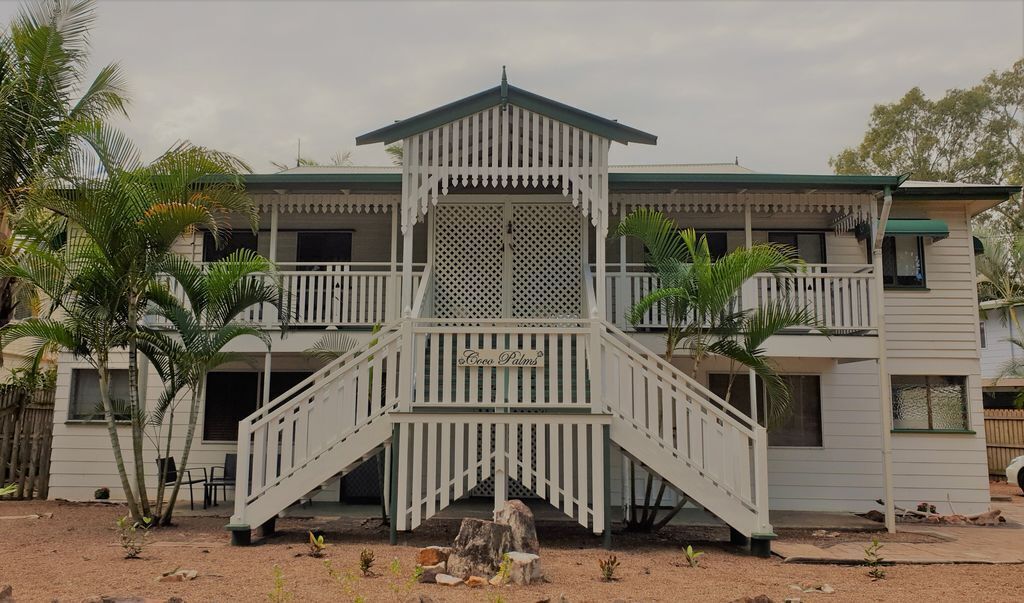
(607, 128)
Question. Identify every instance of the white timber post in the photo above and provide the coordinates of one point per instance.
(884, 388)
(764, 525)
(748, 296)
(600, 251)
(500, 466)
(270, 314)
(266, 379)
(394, 281)
(407, 242)
(621, 283)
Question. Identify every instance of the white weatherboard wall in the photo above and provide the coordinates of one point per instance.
(935, 332)
(998, 350)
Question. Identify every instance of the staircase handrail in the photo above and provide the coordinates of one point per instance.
(319, 378)
(421, 293)
(713, 403)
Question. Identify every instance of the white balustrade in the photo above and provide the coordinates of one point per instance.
(838, 296)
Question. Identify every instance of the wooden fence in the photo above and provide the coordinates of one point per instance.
(1004, 436)
(25, 439)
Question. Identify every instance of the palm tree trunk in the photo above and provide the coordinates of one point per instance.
(136, 419)
(193, 417)
(115, 440)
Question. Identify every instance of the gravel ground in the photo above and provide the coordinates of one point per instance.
(74, 555)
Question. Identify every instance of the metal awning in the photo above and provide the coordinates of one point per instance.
(936, 229)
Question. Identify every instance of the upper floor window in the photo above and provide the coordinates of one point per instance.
(230, 242)
(903, 262)
(801, 428)
(809, 246)
(929, 403)
(323, 247)
(85, 403)
(718, 243)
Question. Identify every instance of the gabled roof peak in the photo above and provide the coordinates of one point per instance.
(502, 94)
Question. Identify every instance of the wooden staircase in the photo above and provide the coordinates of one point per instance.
(449, 427)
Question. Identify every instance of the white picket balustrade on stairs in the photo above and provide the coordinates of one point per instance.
(546, 426)
(324, 426)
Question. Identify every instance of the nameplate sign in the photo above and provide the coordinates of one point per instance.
(469, 357)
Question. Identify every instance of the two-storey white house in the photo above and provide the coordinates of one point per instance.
(505, 366)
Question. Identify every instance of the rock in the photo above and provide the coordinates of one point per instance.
(874, 515)
(447, 580)
(178, 576)
(419, 599)
(476, 581)
(757, 599)
(517, 516)
(7, 594)
(988, 518)
(524, 568)
(433, 555)
(479, 548)
(430, 572)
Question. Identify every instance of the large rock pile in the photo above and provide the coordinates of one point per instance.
(502, 551)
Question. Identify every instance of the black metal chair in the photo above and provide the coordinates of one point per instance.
(172, 476)
(224, 481)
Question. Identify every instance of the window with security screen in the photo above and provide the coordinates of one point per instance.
(930, 403)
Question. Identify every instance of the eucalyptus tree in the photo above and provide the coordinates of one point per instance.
(121, 219)
(697, 297)
(44, 96)
(201, 325)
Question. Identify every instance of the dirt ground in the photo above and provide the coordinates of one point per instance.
(74, 555)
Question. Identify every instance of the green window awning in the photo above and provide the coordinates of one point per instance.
(937, 229)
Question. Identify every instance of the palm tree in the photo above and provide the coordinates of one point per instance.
(43, 95)
(121, 220)
(202, 325)
(1001, 271)
(697, 296)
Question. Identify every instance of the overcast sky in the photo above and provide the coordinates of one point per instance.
(782, 85)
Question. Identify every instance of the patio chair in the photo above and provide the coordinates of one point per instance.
(225, 480)
(172, 476)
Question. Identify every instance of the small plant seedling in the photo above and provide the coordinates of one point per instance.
(346, 580)
(316, 545)
(692, 555)
(504, 569)
(608, 567)
(279, 594)
(402, 585)
(132, 535)
(366, 562)
(873, 560)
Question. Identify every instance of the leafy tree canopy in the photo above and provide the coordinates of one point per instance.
(968, 135)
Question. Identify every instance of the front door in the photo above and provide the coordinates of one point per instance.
(507, 259)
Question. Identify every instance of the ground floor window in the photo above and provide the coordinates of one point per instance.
(802, 428)
(85, 403)
(233, 395)
(926, 402)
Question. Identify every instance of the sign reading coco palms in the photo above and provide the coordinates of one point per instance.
(486, 358)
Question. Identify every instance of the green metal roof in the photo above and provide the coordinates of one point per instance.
(824, 180)
(928, 228)
(501, 94)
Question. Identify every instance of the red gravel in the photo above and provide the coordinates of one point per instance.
(74, 555)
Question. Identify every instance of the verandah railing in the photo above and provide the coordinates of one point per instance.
(340, 294)
(839, 296)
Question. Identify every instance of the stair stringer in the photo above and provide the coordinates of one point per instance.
(675, 471)
(338, 458)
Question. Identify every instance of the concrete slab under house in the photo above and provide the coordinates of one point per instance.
(492, 241)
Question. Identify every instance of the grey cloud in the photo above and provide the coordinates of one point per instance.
(781, 84)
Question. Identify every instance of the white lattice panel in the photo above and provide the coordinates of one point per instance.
(547, 266)
(469, 247)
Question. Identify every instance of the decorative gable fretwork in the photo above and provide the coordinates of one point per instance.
(849, 208)
(505, 147)
(324, 203)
